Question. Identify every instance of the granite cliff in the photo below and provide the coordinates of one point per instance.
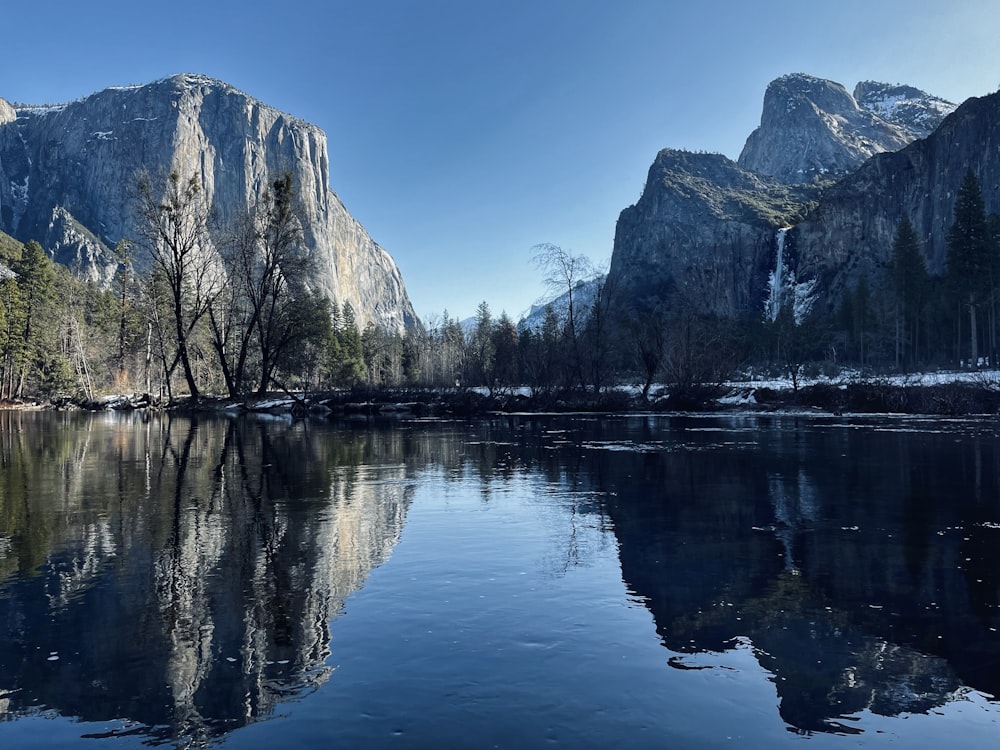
(850, 232)
(703, 234)
(813, 202)
(813, 128)
(66, 175)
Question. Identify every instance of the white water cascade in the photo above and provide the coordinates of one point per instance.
(781, 282)
(776, 281)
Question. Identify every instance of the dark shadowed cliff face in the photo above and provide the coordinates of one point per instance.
(850, 233)
(811, 127)
(66, 174)
(703, 233)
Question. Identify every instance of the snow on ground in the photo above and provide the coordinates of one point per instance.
(987, 378)
(739, 397)
(39, 110)
(741, 390)
(268, 404)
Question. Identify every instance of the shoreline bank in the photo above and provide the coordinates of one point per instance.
(876, 396)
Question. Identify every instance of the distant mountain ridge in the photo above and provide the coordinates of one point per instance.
(584, 295)
(66, 173)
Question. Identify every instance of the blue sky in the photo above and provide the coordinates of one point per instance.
(462, 134)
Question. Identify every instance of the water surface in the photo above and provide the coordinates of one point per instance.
(575, 581)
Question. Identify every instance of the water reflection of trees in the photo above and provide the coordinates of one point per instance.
(183, 571)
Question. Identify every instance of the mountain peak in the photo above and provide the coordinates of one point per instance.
(916, 111)
(197, 82)
(804, 87)
(812, 127)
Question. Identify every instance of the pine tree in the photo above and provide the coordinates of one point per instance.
(969, 264)
(481, 352)
(36, 280)
(505, 355)
(552, 348)
(11, 335)
(863, 319)
(453, 349)
(352, 365)
(909, 278)
(993, 251)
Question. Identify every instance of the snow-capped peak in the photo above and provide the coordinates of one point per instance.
(908, 107)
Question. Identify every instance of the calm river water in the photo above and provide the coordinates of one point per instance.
(524, 582)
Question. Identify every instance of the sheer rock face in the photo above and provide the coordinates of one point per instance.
(812, 128)
(67, 174)
(702, 235)
(849, 235)
(7, 113)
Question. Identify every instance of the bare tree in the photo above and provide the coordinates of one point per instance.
(173, 224)
(598, 328)
(647, 332)
(564, 272)
(257, 315)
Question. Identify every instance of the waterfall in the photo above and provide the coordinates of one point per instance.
(783, 288)
(776, 281)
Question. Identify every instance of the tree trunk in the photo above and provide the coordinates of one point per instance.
(182, 351)
(149, 355)
(973, 336)
(899, 343)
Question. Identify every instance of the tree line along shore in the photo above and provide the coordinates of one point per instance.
(240, 322)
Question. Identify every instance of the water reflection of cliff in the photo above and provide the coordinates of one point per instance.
(181, 574)
(861, 565)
